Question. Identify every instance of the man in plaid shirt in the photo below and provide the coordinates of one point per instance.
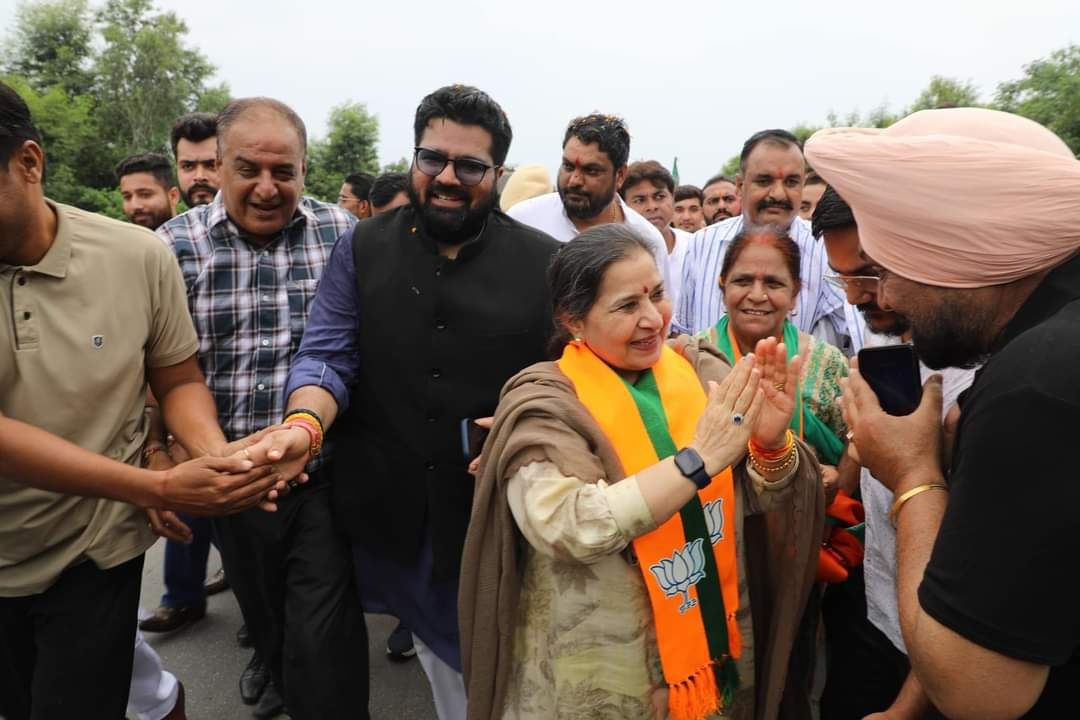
(251, 260)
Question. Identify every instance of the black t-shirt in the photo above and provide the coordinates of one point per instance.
(1004, 570)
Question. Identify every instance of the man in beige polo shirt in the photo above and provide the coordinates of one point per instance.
(91, 311)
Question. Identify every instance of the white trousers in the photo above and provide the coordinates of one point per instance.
(447, 685)
(154, 690)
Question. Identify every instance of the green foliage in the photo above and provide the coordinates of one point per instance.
(51, 46)
(1049, 94)
(214, 99)
(144, 76)
(946, 92)
(731, 167)
(349, 146)
(401, 166)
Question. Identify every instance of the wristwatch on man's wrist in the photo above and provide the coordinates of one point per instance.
(692, 467)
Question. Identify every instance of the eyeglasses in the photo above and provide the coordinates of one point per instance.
(853, 283)
(467, 171)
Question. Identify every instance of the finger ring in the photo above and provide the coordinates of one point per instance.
(850, 434)
(779, 386)
(737, 418)
(293, 484)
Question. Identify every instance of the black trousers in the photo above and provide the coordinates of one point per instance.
(865, 670)
(292, 573)
(67, 652)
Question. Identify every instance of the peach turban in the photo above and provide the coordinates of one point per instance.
(963, 197)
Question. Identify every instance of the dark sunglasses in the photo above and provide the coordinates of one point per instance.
(467, 171)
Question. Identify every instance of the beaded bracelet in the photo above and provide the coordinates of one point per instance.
(306, 411)
(305, 421)
(776, 454)
(769, 468)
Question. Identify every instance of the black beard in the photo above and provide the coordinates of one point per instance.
(452, 226)
(951, 338)
(198, 186)
(150, 220)
(900, 323)
(593, 205)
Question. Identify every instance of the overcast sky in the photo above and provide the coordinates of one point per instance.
(693, 79)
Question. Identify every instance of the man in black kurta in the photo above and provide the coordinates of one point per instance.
(421, 316)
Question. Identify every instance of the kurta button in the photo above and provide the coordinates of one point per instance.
(440, 324)
(431, 419)
(22, 279)
(26, 315)
(430, 466)
(436, 373)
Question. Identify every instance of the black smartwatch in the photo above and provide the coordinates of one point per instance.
(692, 466)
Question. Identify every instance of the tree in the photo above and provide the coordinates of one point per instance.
(401, 165)
(349, 146)
(946, 92)
(50, 46)
(1049, 94)
(145, 76)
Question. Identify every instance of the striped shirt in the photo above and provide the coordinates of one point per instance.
(250, 303)
(701, 304)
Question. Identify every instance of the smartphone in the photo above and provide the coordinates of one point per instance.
(893, 373)
(472, 438)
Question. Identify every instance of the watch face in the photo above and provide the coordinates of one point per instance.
(689, 462)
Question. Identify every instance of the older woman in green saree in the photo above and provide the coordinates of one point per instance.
(760, 281)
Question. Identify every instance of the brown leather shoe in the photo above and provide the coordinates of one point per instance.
(217, 582)
(178, 713)
(167, 619)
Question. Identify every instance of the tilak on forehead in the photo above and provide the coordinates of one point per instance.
(963, 197)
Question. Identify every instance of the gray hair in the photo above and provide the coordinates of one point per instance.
(235, 110)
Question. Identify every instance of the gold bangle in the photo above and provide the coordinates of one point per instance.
(768, 469)
(917, 490)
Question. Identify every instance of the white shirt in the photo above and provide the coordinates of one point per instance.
(547, 214)
(701, 304)
(879, 546)
(676, 258)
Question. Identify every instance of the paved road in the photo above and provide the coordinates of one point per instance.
(206, 658)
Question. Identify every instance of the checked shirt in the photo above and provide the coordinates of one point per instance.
(250, 304)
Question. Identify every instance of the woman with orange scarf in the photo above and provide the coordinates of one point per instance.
(632, 496)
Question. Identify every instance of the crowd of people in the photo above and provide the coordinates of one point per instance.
(601, 445)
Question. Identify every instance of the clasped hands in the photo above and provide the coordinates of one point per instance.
(258, 470)
(756, 400)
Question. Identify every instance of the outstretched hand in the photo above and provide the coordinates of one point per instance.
(732, 408)
(780, 383)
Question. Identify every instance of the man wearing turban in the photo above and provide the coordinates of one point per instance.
(974, 217)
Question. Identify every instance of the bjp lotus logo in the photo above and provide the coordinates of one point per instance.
(714, 519)
(680, 572)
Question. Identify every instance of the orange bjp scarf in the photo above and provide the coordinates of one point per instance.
(688, 563)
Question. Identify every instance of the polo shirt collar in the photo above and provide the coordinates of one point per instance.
(56, 260)
(1060, 287)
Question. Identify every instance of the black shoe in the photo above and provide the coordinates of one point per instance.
(243, 637)
(399, 646)
(270, 704)
(254, 681)
(216, 583)
(167, 619)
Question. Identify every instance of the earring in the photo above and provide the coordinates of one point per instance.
(577, 339)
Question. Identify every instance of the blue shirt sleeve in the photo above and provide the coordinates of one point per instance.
(329, 355)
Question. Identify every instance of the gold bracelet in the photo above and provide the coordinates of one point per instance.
(767, 469)
(918, 489)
